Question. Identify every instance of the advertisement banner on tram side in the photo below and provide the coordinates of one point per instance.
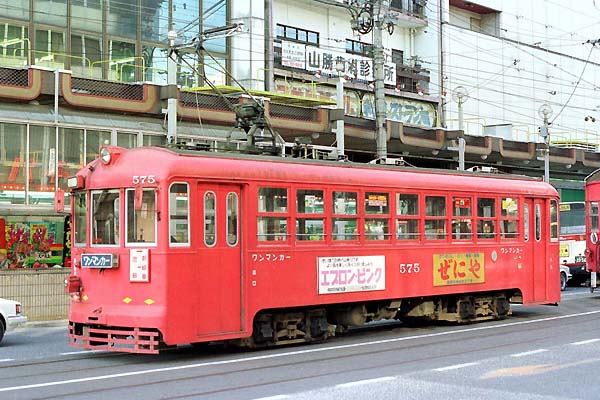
(351, 274)
(458, 269)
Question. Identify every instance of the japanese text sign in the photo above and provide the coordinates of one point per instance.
(351, 274)
(458, 269)
(139, 265)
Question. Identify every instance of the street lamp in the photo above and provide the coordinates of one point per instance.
(545, 112)
(460, 95)
(340, 67)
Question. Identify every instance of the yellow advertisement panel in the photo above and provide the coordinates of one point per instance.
(564, 250)
(458, 269)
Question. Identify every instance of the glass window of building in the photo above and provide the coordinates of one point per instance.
(42, 161)
(15, 51)
(154, 140)
(50, 12)
(15, 9)
(127, 140)
(86, 15)
(86, 51)
(93, 140)
(49, 49)
(214, 14)
(155, 64)
(122, 65)
(155, 19)
(13, 139)
(122, 18)
(70, 155)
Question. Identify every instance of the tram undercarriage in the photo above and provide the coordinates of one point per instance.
(275, 327)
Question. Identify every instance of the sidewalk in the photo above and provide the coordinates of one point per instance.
(46, 324)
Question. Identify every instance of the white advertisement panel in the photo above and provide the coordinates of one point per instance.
(293, 55)
(351, 274)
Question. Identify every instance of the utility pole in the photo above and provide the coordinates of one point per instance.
(172, 90)
(380, 9)
(367, 16)
(545, 111)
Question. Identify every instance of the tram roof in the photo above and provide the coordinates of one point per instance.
(234, 167)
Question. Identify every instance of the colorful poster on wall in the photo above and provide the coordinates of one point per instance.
(34, 244)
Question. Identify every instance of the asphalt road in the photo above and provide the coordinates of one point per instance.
(538, 353)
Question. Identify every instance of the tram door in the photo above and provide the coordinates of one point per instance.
(539, 236)
(219, 273)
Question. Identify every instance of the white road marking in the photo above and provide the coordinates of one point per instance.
(291, 353)
(278, 397)
(585, 342)
(7, 359)
(455, 366)
(528, 353)
(365, 382)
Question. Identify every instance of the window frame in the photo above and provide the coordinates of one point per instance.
(237, 219)
(91, 220)
(141, 244)
(214, 217)
(427, 218)
(273, 215)
(356, 216)
(74, 224)
(398, 216)
(303, 238)
(482, 219)
(189, 219)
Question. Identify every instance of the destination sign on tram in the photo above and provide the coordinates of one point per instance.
(98, 261)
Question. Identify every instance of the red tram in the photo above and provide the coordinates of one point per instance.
(592, 249)
(171, 247)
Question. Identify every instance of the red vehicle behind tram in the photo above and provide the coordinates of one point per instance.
(592, 249)
(173, 247)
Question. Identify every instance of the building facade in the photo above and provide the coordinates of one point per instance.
(76, 74)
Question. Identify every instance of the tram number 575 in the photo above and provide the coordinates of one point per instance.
(412, 268)
(141, 179)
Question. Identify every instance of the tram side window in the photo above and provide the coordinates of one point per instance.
(538, 222)
(272, 227)
(309, 205)
(80, 220)
(462, 223)
(407, 210)
(594, 216)
(141, 224)
(435, 217)
(486, 215)
(509, 218)
(344, 222)
(377, 204)
(526, 222)
(553, 220)
(179, 214)
(105, 217)
(232, 218)
(210, 219)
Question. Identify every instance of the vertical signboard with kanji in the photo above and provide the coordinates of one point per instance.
(139, 265)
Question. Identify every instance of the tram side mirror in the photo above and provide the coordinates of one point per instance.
(59, 200)
(137, 198)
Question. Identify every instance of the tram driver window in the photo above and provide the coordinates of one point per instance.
(435, 217)
(105, 217)
(141, 224)
(272, 201)
(461, 222)
(509, 214)
(80, 220)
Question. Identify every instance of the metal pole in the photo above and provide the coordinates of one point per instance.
(461, 139)
(339, 103)
(547, 152)
(379, 11)
(172, 91)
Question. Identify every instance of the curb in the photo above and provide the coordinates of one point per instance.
(46, 324)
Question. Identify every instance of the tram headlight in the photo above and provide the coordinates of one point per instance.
(105, 155)
(75, 182)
